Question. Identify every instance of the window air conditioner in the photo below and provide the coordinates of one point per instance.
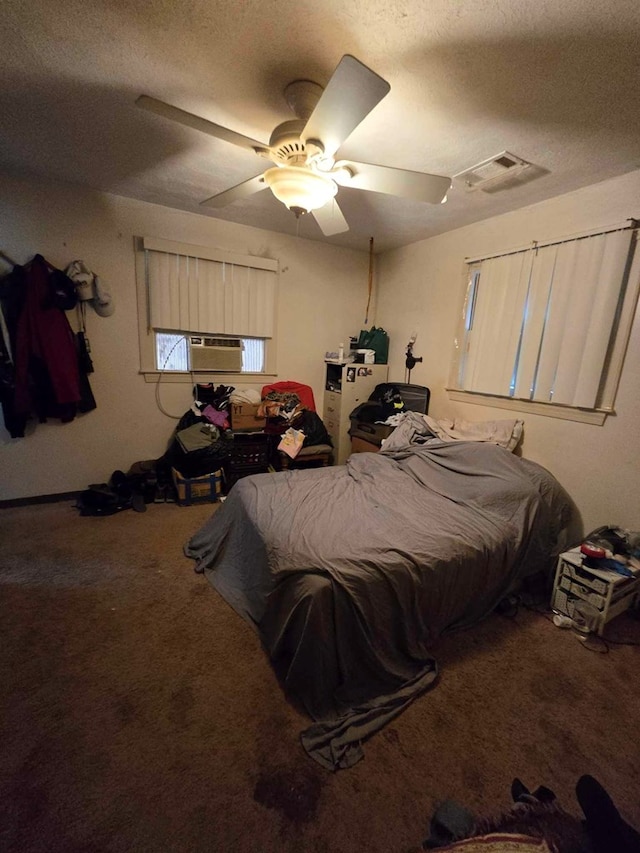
(215, 354)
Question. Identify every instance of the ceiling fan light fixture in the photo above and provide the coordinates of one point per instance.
(299, 188)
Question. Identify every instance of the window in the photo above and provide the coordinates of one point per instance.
(205, 310)
(189, 353)
(548, 324)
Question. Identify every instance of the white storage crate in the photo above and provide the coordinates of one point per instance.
(607, 592)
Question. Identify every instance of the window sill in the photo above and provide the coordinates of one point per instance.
(549, 410)
(155, 376)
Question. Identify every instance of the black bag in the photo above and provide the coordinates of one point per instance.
(108, 498)
(313, 428)
(209, 395)
(146, 476)
(99, 499)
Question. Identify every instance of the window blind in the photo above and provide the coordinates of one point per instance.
(496, 324)
(196, 294)
(583, 294)
(543, 320)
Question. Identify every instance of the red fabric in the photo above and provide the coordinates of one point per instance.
(45, 337)
(304, 392)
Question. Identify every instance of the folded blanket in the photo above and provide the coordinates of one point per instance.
(197, 437)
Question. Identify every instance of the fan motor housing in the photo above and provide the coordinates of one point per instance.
(286, 145)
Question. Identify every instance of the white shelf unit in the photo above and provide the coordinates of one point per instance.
(346, 386)
(608, 592)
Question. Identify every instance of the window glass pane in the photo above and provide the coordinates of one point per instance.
(253, 355)
(171, 352)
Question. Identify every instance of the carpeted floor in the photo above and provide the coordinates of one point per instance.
(139, 713)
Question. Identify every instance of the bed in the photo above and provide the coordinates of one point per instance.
(350, 574)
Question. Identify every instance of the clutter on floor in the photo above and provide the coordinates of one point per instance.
(224, 435)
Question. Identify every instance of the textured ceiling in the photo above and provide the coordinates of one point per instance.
(557, 84)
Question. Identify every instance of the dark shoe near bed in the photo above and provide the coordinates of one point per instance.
(518, 790)
(606, 827)
(544, 794)
(137, 502)
(521, 794)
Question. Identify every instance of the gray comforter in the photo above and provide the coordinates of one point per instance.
(350, 574)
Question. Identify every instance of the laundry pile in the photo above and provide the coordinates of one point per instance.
(200, 443)
(289, 417)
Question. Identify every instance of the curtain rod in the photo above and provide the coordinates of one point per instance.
(632, 225)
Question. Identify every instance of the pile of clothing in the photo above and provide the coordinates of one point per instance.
(288, 417)
(284, 411)
(200, 443)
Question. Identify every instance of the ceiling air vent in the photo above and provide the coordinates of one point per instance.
(496, 172)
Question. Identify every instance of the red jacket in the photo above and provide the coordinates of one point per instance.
(46, 361)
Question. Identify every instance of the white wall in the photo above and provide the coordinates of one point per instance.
(420, 289)
(323, 293)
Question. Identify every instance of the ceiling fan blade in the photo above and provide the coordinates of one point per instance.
(152, 105)
(330, 219)
(246, 188)
(399, 182)
(350, 95)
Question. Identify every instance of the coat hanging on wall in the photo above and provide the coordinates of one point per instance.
(40, 345)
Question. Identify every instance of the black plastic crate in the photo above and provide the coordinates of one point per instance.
(250, 449)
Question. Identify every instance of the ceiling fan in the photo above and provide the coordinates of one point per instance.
(305, 175)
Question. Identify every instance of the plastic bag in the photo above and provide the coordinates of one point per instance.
(376, 339)
(291, 442)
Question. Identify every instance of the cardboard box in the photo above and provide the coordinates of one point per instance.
(205, 489)
(245, 416)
